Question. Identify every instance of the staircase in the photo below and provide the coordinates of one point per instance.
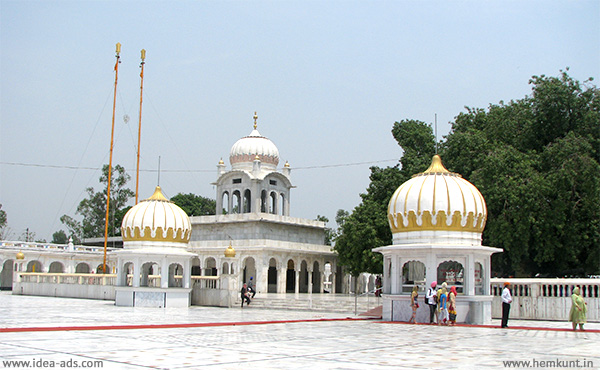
(342, 303)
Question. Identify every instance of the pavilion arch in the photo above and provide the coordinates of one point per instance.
(303, 288)
(316, 278)
(210, 267)
(247, 201)
(371, 283)
(272, 276)
(273, 206)
(147, 271)
(225, 268)
(451, 272)
(127, 274)
(290, 277)
(56, 267)
(413, 274)
(175, 275)
(34, 266)
(196, 269)
(263, 201)
(236, 202)
(82, 268)
(225, 203)
(249, 269)
(6, 277)
(479, 274)
(282, 200)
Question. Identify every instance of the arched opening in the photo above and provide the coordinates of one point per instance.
(413, 273)
(225, 203)
(451, 272)
(263, 201)
(225, 269)
(282, 200)
(303, 277)
(210, 268)
(272, 276)
(273, 203)
(100, 269)
(479, 279)
(247, 201)
(290, 278)
(34, 266)
(371, 283)
(82, 268)
(6, 277)
(316, 278)
(175, 275)
(196, 268)
(327, 279)
(128, 272)
(249, 270)
(56, 268)
(236, 202)
(149, 274)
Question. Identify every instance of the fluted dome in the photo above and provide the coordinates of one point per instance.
(254, 146)
(156, 219)
(437, 206)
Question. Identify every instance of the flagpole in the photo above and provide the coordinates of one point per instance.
(137, 178)
(112, 135)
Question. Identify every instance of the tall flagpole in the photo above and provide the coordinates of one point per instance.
(112, 135)
(137, 178)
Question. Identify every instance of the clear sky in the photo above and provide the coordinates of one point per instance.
(327, 78)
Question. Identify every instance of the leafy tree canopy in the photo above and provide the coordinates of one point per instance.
(93, 208)
(535, 160)
(195, 205)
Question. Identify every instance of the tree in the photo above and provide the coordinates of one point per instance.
(60, 237)
(536, 162)
(93, 208)
(3, 222)
(195, 205)
(329, 233)
(367, 226)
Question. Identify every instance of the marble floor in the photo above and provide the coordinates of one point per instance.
(291, 340)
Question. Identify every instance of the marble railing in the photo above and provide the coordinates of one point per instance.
(60, 278)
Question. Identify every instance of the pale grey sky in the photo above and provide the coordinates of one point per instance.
(327, 78)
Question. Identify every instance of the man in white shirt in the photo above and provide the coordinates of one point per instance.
(506, 301)
(430, 296)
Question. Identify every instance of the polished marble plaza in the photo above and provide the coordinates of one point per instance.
(214, 338)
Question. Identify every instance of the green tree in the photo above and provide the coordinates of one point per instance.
(60, 237)
(93, 208)
(367, 226)
(3, 223)
(195, 205)
(329, 232)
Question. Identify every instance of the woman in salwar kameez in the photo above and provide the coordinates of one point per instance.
(578, 310)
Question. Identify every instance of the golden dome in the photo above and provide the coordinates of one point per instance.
(230, 252)
(437, 200)
(20, 256)
(156, 219)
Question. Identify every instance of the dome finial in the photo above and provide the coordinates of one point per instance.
(436, 166)
(255, 119)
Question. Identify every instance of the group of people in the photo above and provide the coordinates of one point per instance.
(441, 302)
(248, 291)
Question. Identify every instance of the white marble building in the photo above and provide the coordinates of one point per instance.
(436, 219)
(281, 253)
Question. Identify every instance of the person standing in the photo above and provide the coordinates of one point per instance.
(452, 305)
(578, 313)
(506, 301)
(245, 295)
(443, 302)
(431, 301)
(414, 304)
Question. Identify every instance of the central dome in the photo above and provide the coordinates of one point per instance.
(254, 146)
(437, 205)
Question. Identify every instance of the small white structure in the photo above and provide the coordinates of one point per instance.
(436, 219)
(153, 269)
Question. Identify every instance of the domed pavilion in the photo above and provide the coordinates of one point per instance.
(437, 219)
(153, 269)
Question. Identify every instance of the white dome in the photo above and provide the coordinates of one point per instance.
(156, 219)
(247, 149)
(437, 206)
